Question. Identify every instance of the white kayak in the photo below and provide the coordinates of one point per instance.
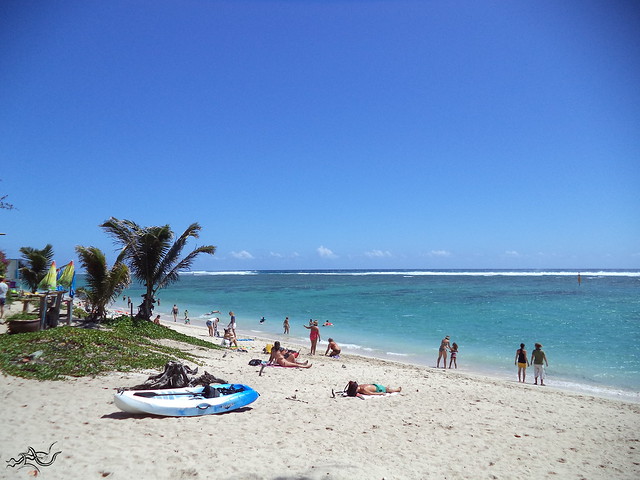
(186, 402)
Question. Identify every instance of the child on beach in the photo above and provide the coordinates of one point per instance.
(454, 355)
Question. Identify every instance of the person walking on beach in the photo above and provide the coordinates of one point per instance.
(442, 352)
(314, 335)
(539, 359)
(523, 362)
(454, 355)
(285, 325)
(174, 310)
(232, 323)
(4, 288)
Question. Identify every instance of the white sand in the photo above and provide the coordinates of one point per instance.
(444, 424)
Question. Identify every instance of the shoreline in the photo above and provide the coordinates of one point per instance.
(444, 424)
(606, 392)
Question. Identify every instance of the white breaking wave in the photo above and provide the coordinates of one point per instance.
(231, 272)
(437, 273)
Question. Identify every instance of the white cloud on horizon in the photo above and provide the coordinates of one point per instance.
(324, 252)
(378, 254)
(512, 253)
(439, 253)
(282, 255)
(242, 255)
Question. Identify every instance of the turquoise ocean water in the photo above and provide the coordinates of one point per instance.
(590, 330)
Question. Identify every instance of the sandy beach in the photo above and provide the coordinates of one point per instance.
(443, 425)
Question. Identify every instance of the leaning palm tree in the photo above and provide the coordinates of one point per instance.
(104, 285)
(153, 255)
(36, 265)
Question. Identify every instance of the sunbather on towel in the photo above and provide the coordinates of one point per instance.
(355, 390)
(278, 357)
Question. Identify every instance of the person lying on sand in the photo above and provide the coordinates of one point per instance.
(333, 346)
(279, 357)
(355, 390)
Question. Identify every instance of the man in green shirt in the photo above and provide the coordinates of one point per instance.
(539, 359)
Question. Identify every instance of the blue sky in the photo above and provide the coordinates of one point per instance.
(327, 134)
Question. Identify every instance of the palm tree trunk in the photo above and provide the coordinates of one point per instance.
(145, 309)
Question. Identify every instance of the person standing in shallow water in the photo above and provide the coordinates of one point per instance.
(285, 325)
(522, 362)
(539, 359)
(174, 310)
(442, 351)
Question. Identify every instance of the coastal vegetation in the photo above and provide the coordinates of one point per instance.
(3, 263)
(125, 344)
(36, 263)
(153, 256)
(104, 284)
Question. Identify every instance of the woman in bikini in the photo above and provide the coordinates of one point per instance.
(278, 357)
(442, 351)
(522, 362)
(355, 390)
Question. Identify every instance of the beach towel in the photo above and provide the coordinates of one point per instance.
(363, 397)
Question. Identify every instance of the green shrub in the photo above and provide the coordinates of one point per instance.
(23, 316)
(79, 313)
(71, 351)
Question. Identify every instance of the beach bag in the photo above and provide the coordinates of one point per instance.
(351, 389)
(268, 348)
(255, 362)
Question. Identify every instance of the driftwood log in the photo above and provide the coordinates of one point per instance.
(176, 375)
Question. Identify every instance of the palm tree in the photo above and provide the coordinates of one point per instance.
(153, 255)
(37, 265)
(104, 285)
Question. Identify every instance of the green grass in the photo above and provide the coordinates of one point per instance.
(77, 352)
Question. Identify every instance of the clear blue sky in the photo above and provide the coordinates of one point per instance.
(327, 134)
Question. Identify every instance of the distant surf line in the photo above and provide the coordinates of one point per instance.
(416, 273)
